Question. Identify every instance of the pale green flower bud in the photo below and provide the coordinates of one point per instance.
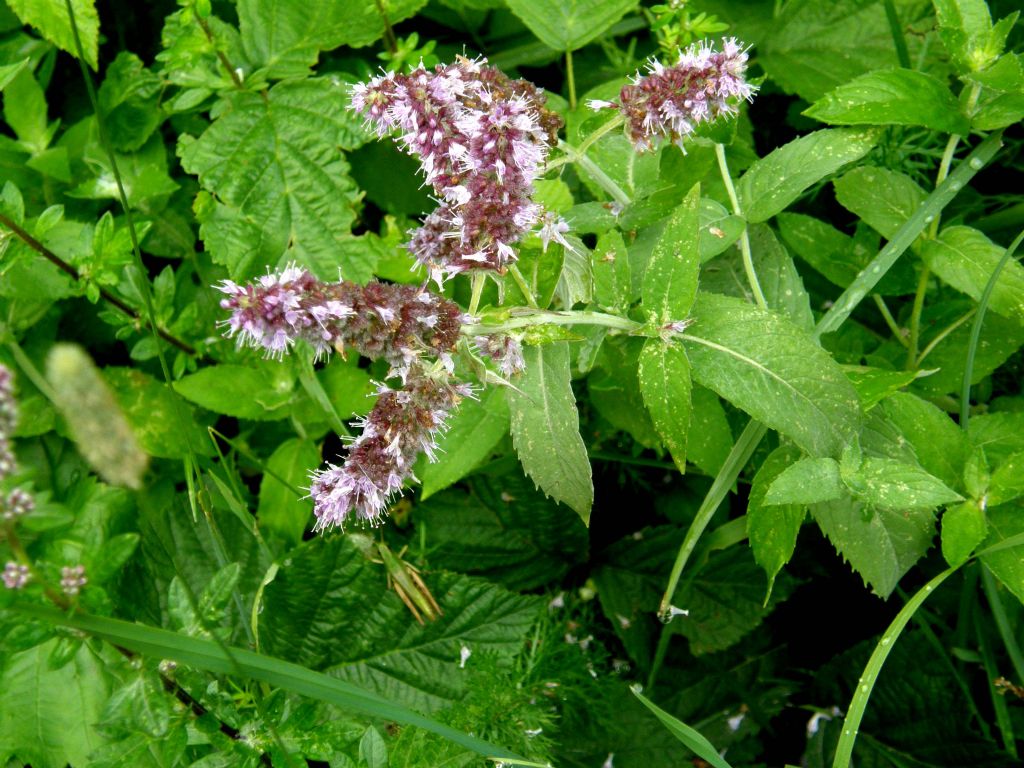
(95, 420)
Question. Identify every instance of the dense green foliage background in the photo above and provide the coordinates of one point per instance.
(834, 466)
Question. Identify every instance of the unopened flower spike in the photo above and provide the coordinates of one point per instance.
(670, 102)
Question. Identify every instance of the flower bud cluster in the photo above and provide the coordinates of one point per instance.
(72, 579)
(413, 330)
(15, 576)
(670, 102)
(506, 352)
(481, 139)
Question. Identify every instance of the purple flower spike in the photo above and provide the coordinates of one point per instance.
(481, 139)
(670, 102)
(402, 424)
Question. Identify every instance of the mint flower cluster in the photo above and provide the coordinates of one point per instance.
(17, 502)
(413, 330)
(671, 101)
(481, 139)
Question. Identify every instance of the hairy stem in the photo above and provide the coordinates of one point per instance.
(513, 270)
(571, 78)
(525, 318)
(897, 332)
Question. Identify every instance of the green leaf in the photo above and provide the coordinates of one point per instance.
(546, 431)
(373, 752)
(892, 97)
(839, 257)
(939, 445)
(610, 266)
(566, 25)
(238, 390)
(1007, 481)
(693, 739)
(163, 423)
(503, 530)
(9, 71)
(891, 484)
(881, 545)
(47, 715)
(330, 608)
(725, 602)
(665, 386)
(285, 39)
(129, 101)
(280, 188)
(51, 18)
(965, 258)
(999, 434)
(812, 47)
(875, 384)
(670, 277)
(963, 528)
(884, 199)
(614, 390)
(966, 30)
(771, 369)
(710, 438)
(473, 432)
(25, 111)
(773, 529)
(718, 228)
(282, 508)
(1006, 564)
(807, 481)
(783, 288)
(775, 181)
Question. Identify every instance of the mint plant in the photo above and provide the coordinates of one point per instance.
(514, 382)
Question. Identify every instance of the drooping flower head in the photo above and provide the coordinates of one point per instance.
(671, 101)
(481, 139)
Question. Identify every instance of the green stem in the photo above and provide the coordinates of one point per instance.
(571, 152)
(868, 278)
(890, 321)
(31, 372)
(525, 318)
(723, 482)
(748, 257)
(523, 285)
(1003, 624)
(898, 39)
(602, 179)
(571, 78)
(389, 34)
(915, 316)
(943, 334)
(972, 345)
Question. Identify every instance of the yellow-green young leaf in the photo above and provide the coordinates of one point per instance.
(566, 25)
(772, 528)
(546, 428)
(775, 181)
(891, 484)
(473, 431)
(272, 200)
(892, 97)
(670, 278)
(282, 508)
(884, 199)
(963, 529)
(1007, 481)
(875, 384)
(965, 258)
(766, 366)
(51, 18)
(665, 386)
(967, 32)
(807, 481)
(9, 71)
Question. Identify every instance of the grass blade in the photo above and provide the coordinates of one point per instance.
(692, 738)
